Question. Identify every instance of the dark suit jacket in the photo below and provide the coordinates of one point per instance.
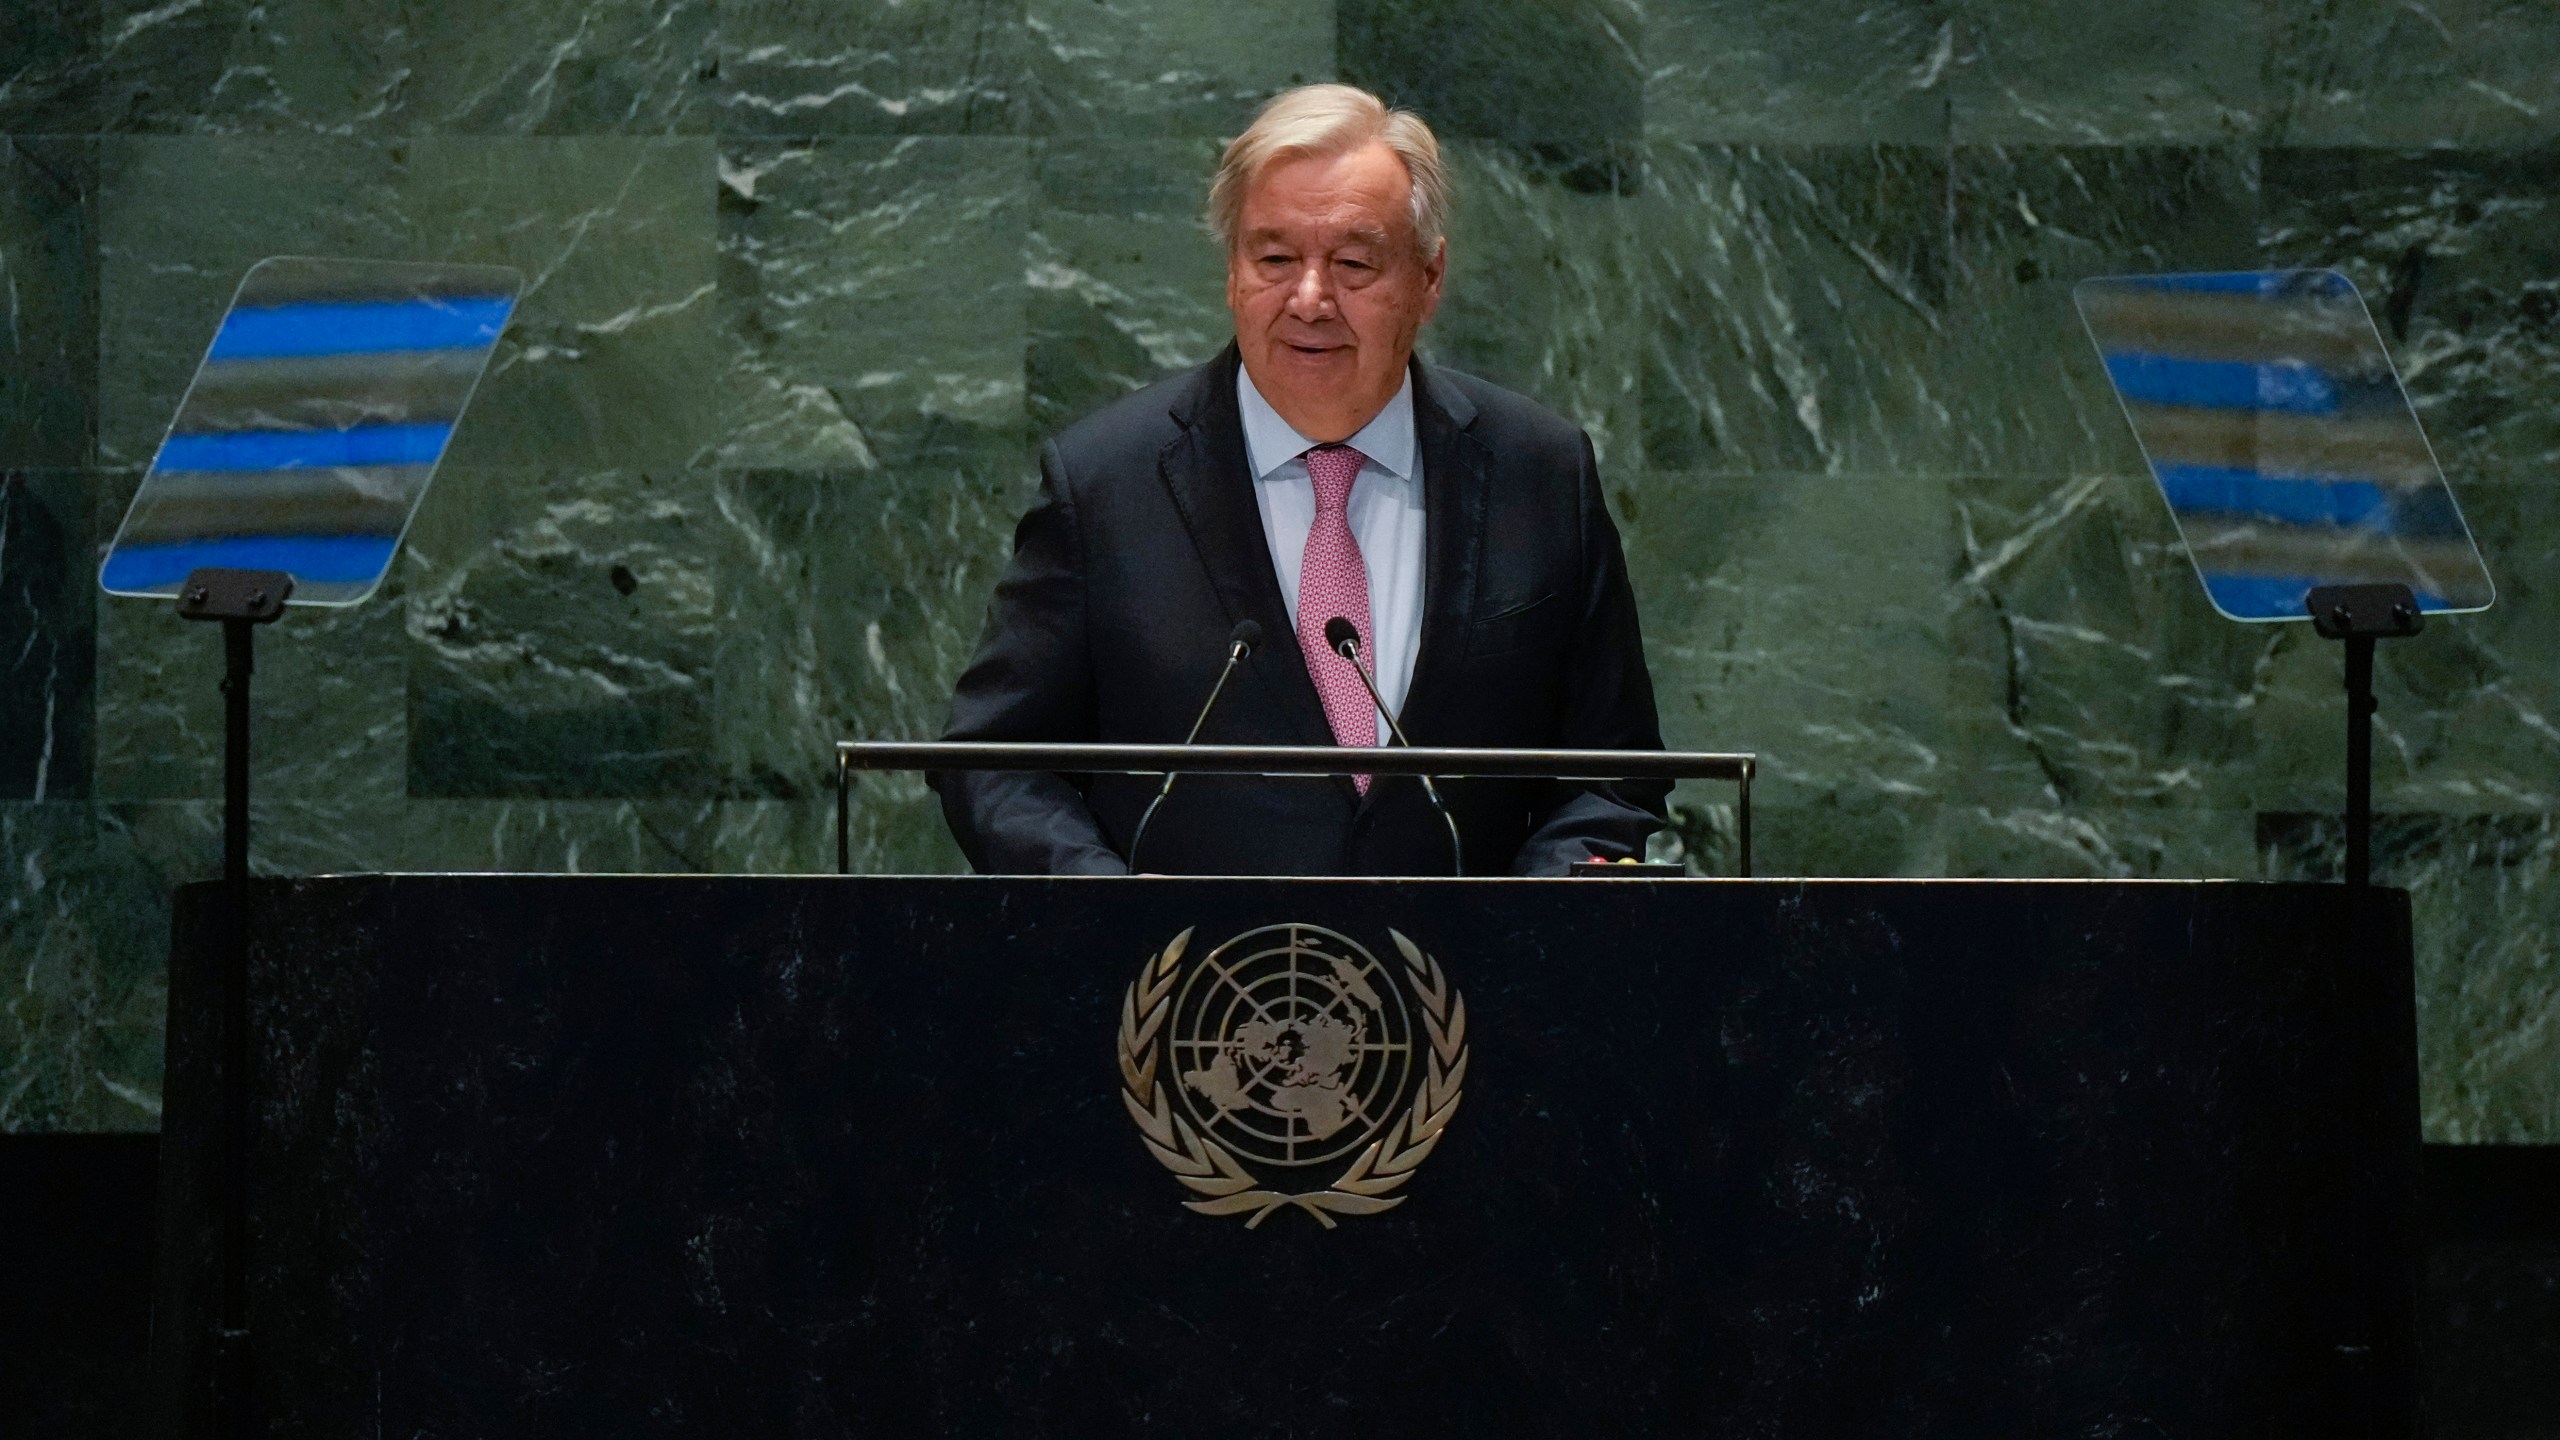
(1145, 548)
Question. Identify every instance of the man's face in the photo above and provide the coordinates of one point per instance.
(1326, 288)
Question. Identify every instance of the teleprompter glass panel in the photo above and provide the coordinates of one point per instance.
(309, 433)
(2289, 454)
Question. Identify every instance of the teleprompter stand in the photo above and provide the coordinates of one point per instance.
(2360, 615)
(242, 600)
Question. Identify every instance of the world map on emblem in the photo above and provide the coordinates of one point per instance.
(1292, 1045)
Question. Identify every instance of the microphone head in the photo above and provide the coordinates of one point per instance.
(1339, 634)
(1244, 639)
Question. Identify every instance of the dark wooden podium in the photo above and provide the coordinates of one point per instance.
(591, 1156)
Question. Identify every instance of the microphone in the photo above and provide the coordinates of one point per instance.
(1344, 637)
(1240, 643)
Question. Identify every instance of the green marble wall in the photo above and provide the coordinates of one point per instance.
(809, 276)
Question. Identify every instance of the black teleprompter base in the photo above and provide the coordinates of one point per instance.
(240, 601)
(572, 1156)
(2357, 616)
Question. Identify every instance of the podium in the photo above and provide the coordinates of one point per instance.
(656, 1156)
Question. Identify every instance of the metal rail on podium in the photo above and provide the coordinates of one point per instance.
(1288, 761)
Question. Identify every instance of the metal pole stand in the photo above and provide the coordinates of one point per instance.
(2360, 615)
(242, 600)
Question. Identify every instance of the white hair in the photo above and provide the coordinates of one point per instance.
(1328, 120)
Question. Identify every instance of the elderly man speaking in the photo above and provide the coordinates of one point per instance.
(1315, 471)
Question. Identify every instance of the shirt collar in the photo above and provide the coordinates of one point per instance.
(1271, 442)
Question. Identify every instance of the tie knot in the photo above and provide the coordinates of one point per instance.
(1333, 468)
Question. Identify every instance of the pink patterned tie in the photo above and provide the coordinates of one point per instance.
(1332, 581)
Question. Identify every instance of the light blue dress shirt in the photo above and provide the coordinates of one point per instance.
(1385, 515)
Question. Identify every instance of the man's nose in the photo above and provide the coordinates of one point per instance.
(1312, 297)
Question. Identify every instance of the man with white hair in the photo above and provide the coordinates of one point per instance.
(1315, 470)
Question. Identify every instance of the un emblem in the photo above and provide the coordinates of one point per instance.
(1290, 1047)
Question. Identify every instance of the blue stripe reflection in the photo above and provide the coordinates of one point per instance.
(2282, 597)
(2260, 597)
(263, 332)
(2229, 282)
(313, 559)
(2288, 386)
(305, 449)
(2213, 488)
(2271, 284)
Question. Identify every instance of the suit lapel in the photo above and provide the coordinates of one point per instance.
(1207, 473)
(1454, 465)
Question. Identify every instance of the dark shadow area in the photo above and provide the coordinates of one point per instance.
(75, 1283)
(2489, 1315)
(75, 1227)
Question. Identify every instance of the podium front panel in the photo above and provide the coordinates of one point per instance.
(640, 1156)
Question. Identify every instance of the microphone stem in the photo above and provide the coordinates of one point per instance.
(1457, 849)
(1235, 654)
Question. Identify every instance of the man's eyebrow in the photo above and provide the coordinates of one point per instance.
(1359, 235)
